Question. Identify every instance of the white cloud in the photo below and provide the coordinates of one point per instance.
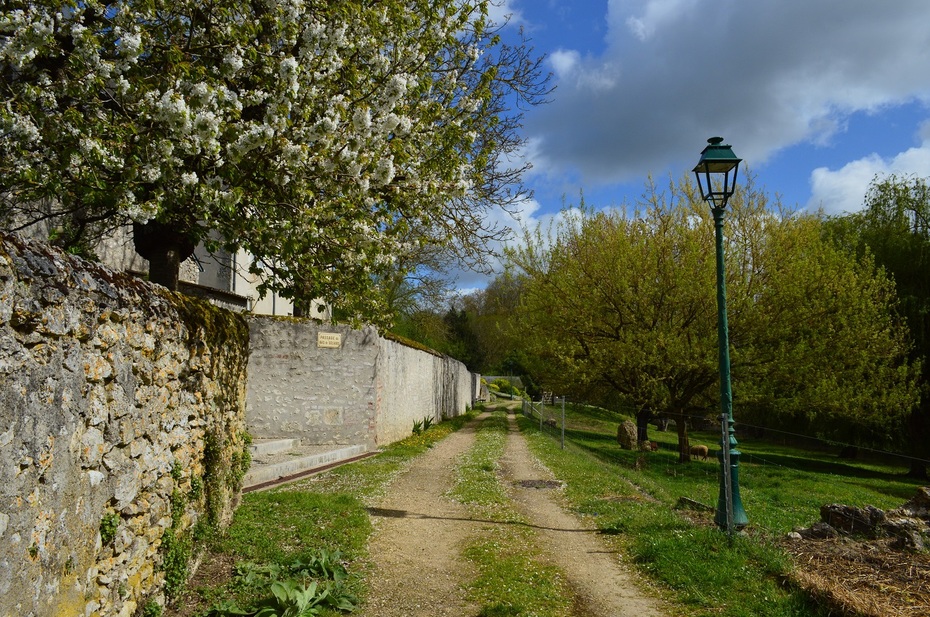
(766, 74)
(843, 190)
(655, 15)
(502, 11)
(564, 62)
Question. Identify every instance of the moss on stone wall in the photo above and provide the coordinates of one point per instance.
(122, 433)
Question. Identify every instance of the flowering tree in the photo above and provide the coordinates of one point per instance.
(313, 134)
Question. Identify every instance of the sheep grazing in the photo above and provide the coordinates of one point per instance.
(699, 451)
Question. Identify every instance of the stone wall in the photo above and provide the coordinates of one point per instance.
(297, 389)
(121, 431)
(414, 384)
(368, 390)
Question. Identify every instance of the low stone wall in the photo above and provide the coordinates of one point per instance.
(121, 430)
(350, 387)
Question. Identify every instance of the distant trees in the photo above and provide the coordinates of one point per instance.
(894, 230)
(328, 139)
(471, 328)
(624, 304)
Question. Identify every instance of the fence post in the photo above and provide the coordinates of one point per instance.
(563, 422)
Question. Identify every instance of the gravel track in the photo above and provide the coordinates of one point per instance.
(418, 570)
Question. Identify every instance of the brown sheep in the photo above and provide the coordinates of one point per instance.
(699, 451)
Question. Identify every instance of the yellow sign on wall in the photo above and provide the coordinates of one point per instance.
(328, 340)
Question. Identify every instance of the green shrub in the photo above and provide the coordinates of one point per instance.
(176, 557)
(108, 526)
(152, 609)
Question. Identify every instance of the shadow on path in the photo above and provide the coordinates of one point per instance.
(388, 513)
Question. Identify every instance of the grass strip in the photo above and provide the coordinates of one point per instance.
(322, 514)
(631, 497)
(512, 578)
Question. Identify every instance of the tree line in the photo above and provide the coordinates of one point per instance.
(828, 315)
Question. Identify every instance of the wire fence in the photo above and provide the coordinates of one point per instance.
(551, 416)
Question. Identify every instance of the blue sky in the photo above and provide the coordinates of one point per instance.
(816, 96)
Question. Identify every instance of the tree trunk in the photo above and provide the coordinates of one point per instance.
(919, 429)
(642, 424)
(684, 448)
(165, 247)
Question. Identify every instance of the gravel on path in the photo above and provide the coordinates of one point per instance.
(418, 570)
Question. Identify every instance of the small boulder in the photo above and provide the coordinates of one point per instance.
(818, 531)
(907, 532)
(852, 520)
(626, 435)
(917, 506)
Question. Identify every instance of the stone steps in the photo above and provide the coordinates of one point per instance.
(266, 447)
(276, 460)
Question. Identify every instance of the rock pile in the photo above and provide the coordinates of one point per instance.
(907, 525)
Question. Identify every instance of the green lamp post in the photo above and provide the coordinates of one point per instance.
(716, 176)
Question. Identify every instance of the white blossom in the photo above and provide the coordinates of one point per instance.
(150, 173)
(384, 172)
(232, 62)
(361, 119)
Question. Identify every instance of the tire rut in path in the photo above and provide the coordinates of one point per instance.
(603, 586)
(416, 548)
(418, 570)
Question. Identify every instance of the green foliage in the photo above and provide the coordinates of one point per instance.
(108, 526)
(223, 477)
(196, 487)
(421, 426)
(504, 386)
(73, 240)
(894, 230)
(623, 306)
(291, 591)
(152, 609)
(178, 505)
(176, 550)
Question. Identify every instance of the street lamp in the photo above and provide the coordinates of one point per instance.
(716, 183)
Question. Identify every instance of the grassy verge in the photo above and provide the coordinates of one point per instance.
(276, 533)
(512, 580)
(631, 496)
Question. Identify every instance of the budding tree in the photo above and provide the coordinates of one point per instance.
(313, 134)
(624, 304)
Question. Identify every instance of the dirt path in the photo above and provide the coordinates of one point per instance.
(418, 570)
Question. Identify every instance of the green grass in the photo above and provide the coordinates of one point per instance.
(299, 520)
(512, 580)
(631, 498)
